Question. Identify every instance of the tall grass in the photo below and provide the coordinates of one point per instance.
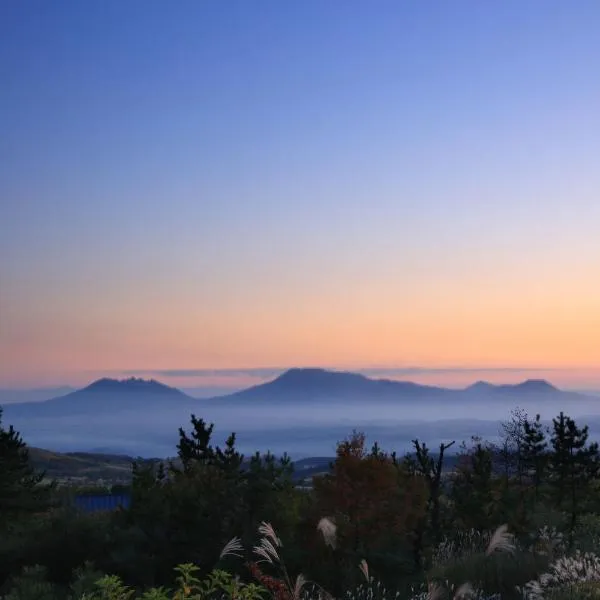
(471, 565)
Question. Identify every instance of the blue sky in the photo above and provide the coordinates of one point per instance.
(199, 184)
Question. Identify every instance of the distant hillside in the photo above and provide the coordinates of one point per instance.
(297, 384)
(530, 386)
(303, 412)
(86, 468)
(104, 396)
(316, 383)
(10, 396)
(132, 386)
(82, 468)
(113, 396)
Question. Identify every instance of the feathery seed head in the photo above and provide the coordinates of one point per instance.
(232, 548)
(501, 541)
(299, 586)
(328, 530)
(434, 591)
(364, 569)
(464, 591)
(267, 531)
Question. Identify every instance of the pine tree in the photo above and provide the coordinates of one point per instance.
(535, 454)
(22, 490)
(573, 464)
(431, 469)
(195, 448)
(376, 451)
(268, 493)
(206, 494)
(472, 486)
(229, 459)
(560, 458)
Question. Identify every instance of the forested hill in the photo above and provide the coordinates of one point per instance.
(87, 468)
(93, 468)
(82, 467)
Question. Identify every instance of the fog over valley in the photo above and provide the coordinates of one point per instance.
(303, 412)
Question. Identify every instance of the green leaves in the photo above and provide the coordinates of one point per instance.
(218, 584)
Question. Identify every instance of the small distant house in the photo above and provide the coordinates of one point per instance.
(101, 502)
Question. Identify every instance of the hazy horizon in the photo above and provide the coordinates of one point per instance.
(301, 415)
(302, 427)
(210, 382)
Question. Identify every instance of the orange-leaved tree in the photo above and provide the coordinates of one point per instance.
(375, 503)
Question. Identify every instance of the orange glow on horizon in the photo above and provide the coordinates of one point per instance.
(494, 322)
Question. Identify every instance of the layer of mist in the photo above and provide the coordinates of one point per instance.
(302, 428)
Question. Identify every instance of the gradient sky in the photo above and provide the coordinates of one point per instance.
(193, 185)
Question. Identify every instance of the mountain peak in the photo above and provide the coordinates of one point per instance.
(316, 377)
(130, 386)
(311, 382)
(480, 386)
(537, 385)
(299, 373)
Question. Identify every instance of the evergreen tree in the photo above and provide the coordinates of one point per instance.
(376, 451)
(22, 490)
(269, 493)
(195, 448)
(573, 464)
(430, 469)
(205, 495)
(229, 459)
(472, 486)
(560, 459)
(535, 454)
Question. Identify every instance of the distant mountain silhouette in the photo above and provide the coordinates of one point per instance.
(105, 396)
(294, 412)
(538, 386)
(110, 396)
(133, 385)
(13, 396)
(530, 386)
(480, 386)
(314, 383)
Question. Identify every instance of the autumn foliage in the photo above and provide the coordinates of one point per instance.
(370, 496)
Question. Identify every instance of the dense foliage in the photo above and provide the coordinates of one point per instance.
(511, 520)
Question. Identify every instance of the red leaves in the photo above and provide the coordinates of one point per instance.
(277, 588)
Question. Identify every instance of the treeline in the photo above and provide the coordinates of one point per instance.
(403, 516)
